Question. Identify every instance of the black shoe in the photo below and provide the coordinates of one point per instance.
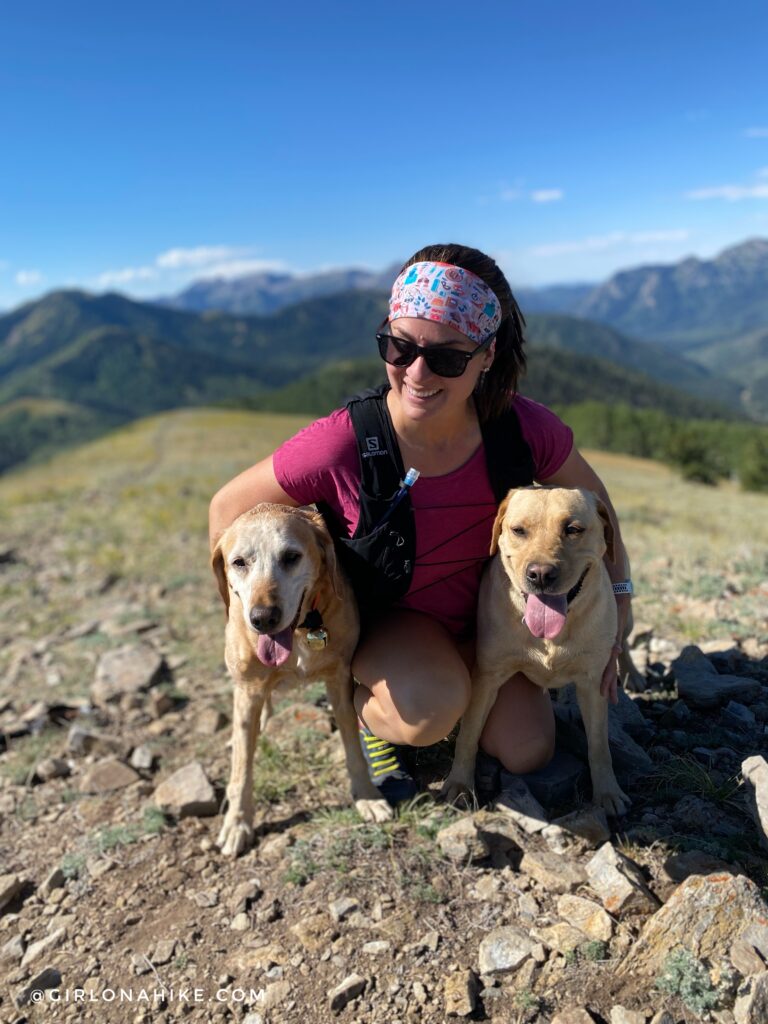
(386, 770)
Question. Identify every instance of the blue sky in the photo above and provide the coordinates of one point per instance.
(149, 144)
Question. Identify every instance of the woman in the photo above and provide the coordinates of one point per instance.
(453, 346)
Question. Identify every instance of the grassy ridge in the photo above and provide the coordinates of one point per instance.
(135, 504)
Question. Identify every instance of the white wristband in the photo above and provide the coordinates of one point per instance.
(624, 587)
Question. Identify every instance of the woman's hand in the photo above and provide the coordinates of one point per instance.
(609, 684)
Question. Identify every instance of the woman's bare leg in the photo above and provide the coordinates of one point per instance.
(414, 681)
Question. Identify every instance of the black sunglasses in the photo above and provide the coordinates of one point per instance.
(445, 362)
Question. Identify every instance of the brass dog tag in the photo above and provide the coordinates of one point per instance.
(317, 639)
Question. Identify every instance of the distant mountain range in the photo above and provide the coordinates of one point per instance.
(73, 363)
(712, 312)
(267, 292)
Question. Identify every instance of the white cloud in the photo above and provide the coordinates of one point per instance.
(238, 268)
(24, 278)
(509, 195)
(600, 243)
(757, 133)
(201, 256)
(731, 193)
(125, 276)
(547, 195)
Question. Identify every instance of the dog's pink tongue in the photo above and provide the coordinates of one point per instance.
(545, 614)
(274, 650)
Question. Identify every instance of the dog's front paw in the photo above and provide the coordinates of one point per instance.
(374, 810)
(612, 800)
(235, 837)
(458, 792)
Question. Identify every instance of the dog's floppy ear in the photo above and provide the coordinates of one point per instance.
(326, 545)
(217, 564)
(497, 524)
(602, 511)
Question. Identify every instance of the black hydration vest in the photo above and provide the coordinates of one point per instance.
(378, 558)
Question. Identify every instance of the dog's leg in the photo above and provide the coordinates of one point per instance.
(266, 712)
(460, 783)
(594, 712)
(370, 804)
(237, 830)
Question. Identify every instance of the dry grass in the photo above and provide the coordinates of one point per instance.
(132, 508)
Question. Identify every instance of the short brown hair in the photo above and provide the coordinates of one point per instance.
(500, 383)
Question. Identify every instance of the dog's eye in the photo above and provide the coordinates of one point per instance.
(519, 531)
(238, 563)
(573, 530)
(289, 558)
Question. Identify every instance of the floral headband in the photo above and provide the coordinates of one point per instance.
(449, 294)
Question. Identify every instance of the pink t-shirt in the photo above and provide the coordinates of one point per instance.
(454, 513)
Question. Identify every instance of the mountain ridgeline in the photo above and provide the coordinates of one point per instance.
(74, 364)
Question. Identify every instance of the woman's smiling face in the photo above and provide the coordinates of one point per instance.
(420, 392)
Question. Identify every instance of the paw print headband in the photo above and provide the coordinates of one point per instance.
(448, 294)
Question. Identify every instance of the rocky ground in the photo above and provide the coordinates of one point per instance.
(115, 904)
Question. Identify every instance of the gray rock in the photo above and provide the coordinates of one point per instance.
(82, 741)
(274, 995)
(42, 946)
(53, 880)
(461, 841)
(42, 982)
(619, 883)
(52, 768)
(520, 804)
(559, 781)
(128, 669)
(700, 684)
(142, 758)
(738, 715)
(163, 951)
(10, 886)
(240, 923)
(210, 721)
(106, 776)
(350, 988)
(588, 917)
(755, 772)
(679, 866)
(244, 895)
(460, 994)
(578, 1015)
(12, 951)
(619, 1015)
(555, 873)
(751, 1006)
(588, 827)
(187, 793)
(377, 947)
(343, 907)
(561, 937)
(663, 1017)
(504, 949)
(705, 914)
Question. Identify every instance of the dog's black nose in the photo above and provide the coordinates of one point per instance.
(541, 576)
(264, 619)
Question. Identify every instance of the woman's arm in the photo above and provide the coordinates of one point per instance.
(577, 472)
(256, 484)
